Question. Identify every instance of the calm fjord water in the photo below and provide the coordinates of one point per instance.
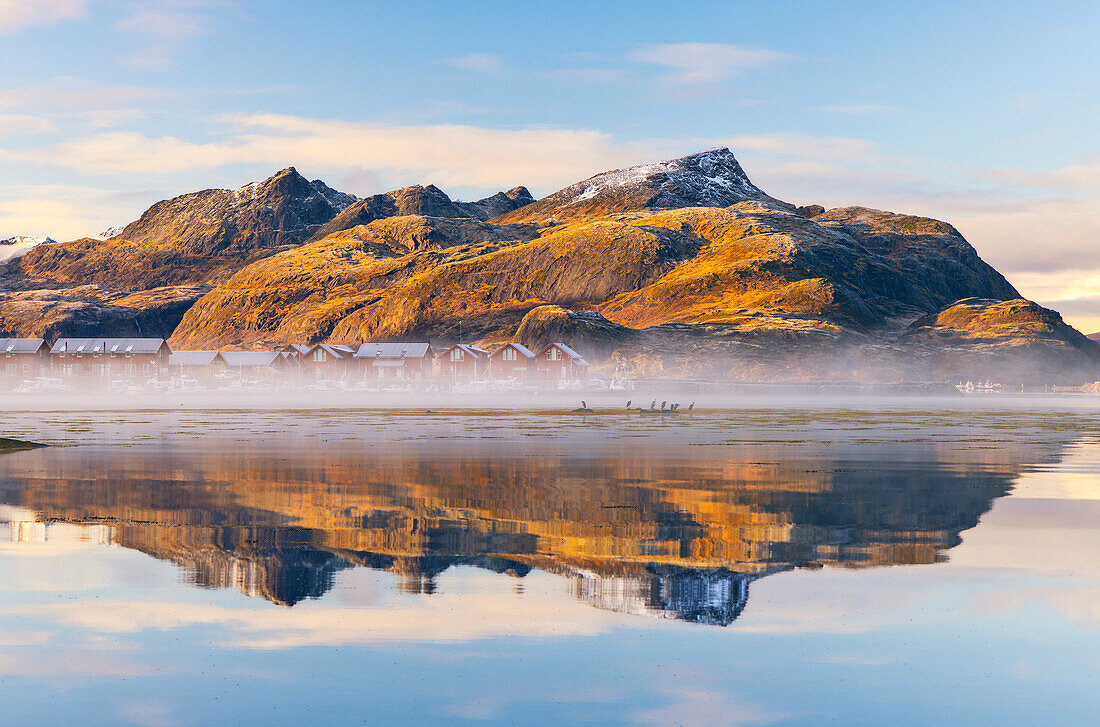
(898, 566)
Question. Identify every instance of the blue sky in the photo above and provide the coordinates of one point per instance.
(984, 115)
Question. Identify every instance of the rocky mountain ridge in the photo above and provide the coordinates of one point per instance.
(677, 266)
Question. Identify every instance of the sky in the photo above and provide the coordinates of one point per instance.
(983, 114)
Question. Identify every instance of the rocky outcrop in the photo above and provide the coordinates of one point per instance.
(94, 311)
(584, 330)
(427, 201)
(1017, 339)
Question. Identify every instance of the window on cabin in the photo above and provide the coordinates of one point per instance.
(509, 354)
(553, 355)
(319, 354)
(456, 354)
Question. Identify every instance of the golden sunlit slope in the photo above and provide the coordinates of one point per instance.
(747, 266)
(189, 239)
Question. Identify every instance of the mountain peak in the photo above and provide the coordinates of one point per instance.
(708, 178)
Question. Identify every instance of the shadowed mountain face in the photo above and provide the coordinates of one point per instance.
(635, 531)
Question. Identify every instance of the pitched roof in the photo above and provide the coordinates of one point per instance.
(392, 350)
(568, 352)
(245, 359)
(336, 350)
(475, 351)
(107, 345)
(523, 350)
(191, 358)
(20, 345)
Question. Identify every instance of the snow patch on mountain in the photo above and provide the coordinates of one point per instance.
(109, 233)
(707, 178)
(13, 247)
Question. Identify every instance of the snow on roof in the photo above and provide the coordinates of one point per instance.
(20, 345)
(191, 358)
(107, 345)
(247, 359)
(392, 350)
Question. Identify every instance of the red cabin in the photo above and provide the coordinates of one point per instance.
(23, 358)
(395, 361)
(512, 361)
(110, 358)
(464, 362)
(558, 362)
(327, 361)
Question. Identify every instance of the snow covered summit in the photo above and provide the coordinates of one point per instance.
(710, 178)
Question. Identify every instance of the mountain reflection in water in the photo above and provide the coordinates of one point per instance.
(635, 532)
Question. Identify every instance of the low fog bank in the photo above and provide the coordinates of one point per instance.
(654, 399)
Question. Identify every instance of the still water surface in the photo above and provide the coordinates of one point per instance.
(741, 567)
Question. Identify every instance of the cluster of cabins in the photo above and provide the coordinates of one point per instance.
(144, 359)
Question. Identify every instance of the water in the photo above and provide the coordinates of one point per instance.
(779, 566)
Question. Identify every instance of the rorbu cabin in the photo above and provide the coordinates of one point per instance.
(252, 365)
(192, 365)
(110, 358)
(558, 362)
(464, 362)
(23, 358)
(395, 361)
(322, 361)
(513, 361)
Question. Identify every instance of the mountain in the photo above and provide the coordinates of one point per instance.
(682, 267)
(13, 247)
(711, 178)
(685, 264)
(1094, 337)
(188, 240)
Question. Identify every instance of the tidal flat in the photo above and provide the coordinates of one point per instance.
(908, 562)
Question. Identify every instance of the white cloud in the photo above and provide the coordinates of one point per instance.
(447, 155)
(74, 95)
(1082, 175)
(705, 63)
(24, 124)
(18, 14)
(63, 212)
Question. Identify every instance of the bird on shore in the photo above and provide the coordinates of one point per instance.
(663, 404)
(674, 407)
(583, 408)
(653, 405)
(629, 402)
(691, 406)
